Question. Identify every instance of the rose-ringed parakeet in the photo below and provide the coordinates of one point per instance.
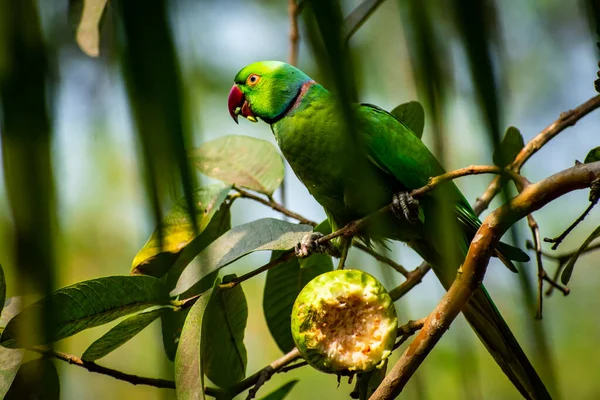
(354, 168)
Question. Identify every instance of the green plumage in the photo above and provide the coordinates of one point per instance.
(352, 176)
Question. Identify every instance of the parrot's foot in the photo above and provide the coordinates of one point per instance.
(309, 245)
(404, 206)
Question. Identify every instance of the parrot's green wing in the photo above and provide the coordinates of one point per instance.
(391, 146)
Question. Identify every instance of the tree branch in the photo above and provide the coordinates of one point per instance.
(470, 275)
(93, 367)
(559, 239)
(413, 279)
(407, 330)
(353, 227)
(565, 120)
(288, 255)
(275, 206)
(383, 259)
(285, 211)
(293, 11)
(258, 379)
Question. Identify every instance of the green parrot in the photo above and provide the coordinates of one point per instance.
(354, 168)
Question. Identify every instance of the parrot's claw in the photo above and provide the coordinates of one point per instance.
(309, 245)
(404, 206)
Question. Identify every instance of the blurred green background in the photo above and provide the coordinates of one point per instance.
(103, 217)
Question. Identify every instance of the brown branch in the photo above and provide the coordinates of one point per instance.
(413, 279)
(293, 11)
(293, 366)
(559, 239)
(275, 206)
(285, 211)
(407, 330)
(344, 253)
(259, 378)
(353, 227)
(256, 380)
(93, 367)
(288, 255)
(563, 259)
(470, 275)
(565, 120)
(383, 259)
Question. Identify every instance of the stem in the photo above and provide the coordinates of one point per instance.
(275, 206)
(93, 367)
(234, 282)
(565, 120)
(413, 279)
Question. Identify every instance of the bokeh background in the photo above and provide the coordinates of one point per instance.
(104, 218)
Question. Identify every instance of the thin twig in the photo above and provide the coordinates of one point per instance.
(553, 282)
(285, 211)
(472, 272)
(93, 367)
(565, 120)
(353, 227)
(294, 366)
(293, 12)
(383, 259)
(344, 254)
(535, 232)
(258, 379)
(413, 279)
(288, 255)
(563, 259)
(275, 206)
(407, 330)
(559, 239)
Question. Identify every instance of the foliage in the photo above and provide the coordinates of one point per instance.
(175, 275)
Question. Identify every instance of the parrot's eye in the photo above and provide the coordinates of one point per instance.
(253, 79)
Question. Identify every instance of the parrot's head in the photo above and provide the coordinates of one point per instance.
(265, 89)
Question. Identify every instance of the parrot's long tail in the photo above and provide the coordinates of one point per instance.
(486, 321)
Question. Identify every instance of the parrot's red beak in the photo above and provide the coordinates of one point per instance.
(238, 104)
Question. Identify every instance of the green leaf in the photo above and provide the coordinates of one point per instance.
(412, 115)
(511, 145)
(86, 15)
(224, 356)
(241, 160)
(36, 379)
(178, 232)
(593, 155)
(120, 334)
(85, 305)
(10, 359)
(219, 225)
(283, 284)
(189, 377)
(262, 234)
(279, 394)
(568, 271)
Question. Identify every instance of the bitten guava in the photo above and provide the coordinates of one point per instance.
(344, 321)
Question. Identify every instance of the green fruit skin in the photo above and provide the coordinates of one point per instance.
(337, 283)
